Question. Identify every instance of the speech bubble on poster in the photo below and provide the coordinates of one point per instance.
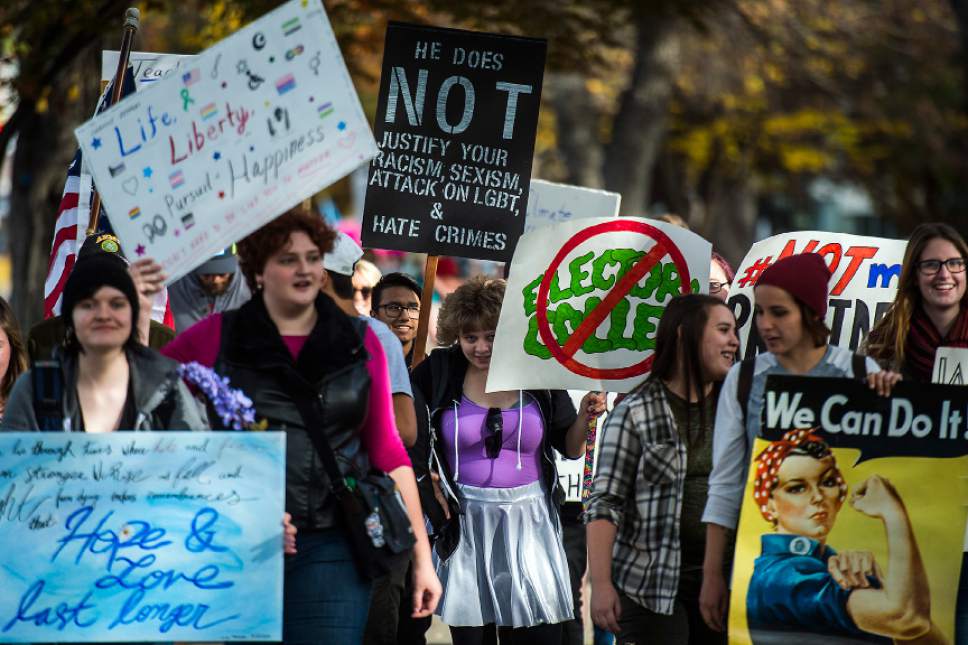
(872, 499)
(456, 120)
(135, 536)
(584, 299)
(246, 130)
(865, 272)
(553, 203)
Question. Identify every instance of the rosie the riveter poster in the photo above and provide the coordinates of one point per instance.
(853, 516)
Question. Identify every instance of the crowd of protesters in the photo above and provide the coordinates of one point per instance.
(293, 314)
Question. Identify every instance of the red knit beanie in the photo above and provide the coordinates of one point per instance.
(804, 277)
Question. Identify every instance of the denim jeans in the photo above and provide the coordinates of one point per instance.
(324, 600)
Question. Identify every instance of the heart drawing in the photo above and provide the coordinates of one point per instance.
(130, 185)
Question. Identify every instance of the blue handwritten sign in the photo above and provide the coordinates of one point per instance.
(172, 536)
(235, 136)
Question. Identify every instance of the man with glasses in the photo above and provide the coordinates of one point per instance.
(396, 303)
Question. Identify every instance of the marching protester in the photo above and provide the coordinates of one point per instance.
(790, 305)
(646, 557)
(500, 557)
(929, 311)
(105, 379)
(396, 303)
(365, 277)
(310, 368)
(13, 354)
(720, 277)
(217, 285)
(148, 279)
(388, 591)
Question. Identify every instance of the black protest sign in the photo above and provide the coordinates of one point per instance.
(917, 420)
(455, 123)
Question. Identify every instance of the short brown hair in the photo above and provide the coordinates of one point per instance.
(474, 306)
(256, 249)
(813, 324)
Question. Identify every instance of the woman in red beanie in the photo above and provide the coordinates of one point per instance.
(790, 305)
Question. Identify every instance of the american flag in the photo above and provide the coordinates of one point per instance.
(71, 224)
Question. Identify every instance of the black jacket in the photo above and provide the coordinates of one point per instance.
(439, 382)
(329, 379)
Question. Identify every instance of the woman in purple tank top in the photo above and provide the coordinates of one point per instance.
(500, 558)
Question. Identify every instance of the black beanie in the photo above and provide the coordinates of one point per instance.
(90, 274)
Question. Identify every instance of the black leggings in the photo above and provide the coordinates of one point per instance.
(537, 635)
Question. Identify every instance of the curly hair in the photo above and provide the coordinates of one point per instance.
(18, 351)
(887, 340)
(256, 249)
(474, 306)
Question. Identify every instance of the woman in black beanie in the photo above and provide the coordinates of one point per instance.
(109, 381)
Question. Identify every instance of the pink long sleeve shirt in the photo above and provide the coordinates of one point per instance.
(201, 343)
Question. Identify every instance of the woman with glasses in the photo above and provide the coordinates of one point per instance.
(500, 558)
(365, 277)
(929, 312)
(720, 277)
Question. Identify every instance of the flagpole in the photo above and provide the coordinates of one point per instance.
(132, 21)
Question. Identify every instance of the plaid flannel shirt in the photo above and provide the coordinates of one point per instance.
(638, 487)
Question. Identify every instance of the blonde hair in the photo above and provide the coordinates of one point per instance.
(474, 306)
(368, 271)
(887, 339)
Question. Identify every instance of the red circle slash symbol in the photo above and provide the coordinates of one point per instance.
(566, 354)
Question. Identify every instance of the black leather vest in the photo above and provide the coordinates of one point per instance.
(330, 373)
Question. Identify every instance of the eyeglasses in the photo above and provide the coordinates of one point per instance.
(930, 267)
(394, 310)
(494, 425)
(363, 291)
(716, 287)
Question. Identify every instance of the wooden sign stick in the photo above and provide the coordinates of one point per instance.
(426, 303)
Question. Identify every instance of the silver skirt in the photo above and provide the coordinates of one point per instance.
(509, 567)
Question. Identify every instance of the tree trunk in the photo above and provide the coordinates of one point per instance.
(639, 127)
(45, 146)
(577, 129)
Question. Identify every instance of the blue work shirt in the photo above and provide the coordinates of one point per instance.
(792, 591)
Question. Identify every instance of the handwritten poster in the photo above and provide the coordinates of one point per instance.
(550, 203)
(839, 535)
(246, 130)
(172, 536)
(584, 299)
(148, 67)
(455, 121)
(865, 272)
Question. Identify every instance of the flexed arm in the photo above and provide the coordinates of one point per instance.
(901, 609)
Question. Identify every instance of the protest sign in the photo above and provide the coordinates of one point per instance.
(584, 299)
(455, 122)
(838, 481)
(551, 203)
(135, 536)
(575, 475)
(147, 67)
(865, 272)
(249, 128)
(950, 366)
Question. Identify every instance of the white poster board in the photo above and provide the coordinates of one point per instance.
(148, 67)
(584, 299)
(251, 127)
(951, 368)
(551, 203)
(865, 272)
(571, 472)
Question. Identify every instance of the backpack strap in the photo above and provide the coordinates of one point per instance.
(47, 380)
(859, 366)
(745, 386)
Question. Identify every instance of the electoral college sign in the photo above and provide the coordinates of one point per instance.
(242, 132)
(455, 124)
(134, 536)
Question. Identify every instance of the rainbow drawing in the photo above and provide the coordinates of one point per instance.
(176, 178)
(134, 213)
(208, 111)
(325, 109)
(291, 26)
(192, 77)
(285, 84)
